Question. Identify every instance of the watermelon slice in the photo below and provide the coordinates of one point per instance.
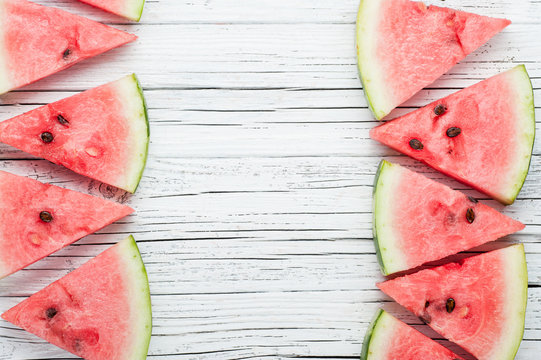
(403, 46)
(390, 339)
(39, 41)
(478, 303)
(482, 135)
(130, 9)
(417, 220)
(101, 133)
(38, 219)
(99, 311)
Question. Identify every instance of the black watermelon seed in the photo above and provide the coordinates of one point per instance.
(66, 53)
(416, 144)
(46, 216)
(427, 304)
(473, 200)
(51, 313)
(62, 120)
(440, 109)
(47, 137)
(453, 132)
(450, 305)
(470, 215)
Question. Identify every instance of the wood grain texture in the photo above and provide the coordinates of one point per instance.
(254, 213)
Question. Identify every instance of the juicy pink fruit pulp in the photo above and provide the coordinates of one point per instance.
(479, 287)
(406, 343)
(95, 143)
(418, 43)
(486, 152)
(25, 238)
(430, 222)
(40, 40)
(91, 304)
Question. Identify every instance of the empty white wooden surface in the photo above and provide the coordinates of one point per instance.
(254, 213)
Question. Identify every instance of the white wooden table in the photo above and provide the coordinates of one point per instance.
(254, 213)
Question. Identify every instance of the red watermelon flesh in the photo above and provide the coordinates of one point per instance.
(100, 311)
(483, 136)
(25, 238)
(39, 41)
(478, 303)
(101, 133)
(390, 339)
(403, 46)
(418, 220)
(130, 9)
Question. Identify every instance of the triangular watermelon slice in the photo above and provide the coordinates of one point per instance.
(482, 135)
(130, 9)
(38, 219)
(403, 46)
(388, 338)
(99, 311)
(418, 220)
(478, 303)
(101, 133)
(39, 41)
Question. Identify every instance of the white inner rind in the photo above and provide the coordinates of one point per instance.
(130, 95)
(516, 280)
(382, 335)
(134, 9)
(139, 295)
(378, 95)
(392, 258)
(521, 88)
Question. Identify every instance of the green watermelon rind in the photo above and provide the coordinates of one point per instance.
(384, 251)
(140, 88)
(365, 66)
(516, 273)
(133, 183)
(381, 263)
(369, 333)
(136, 10)
(527, 115)
(138, 276)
